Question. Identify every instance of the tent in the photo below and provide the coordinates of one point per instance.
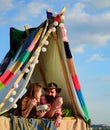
(42, 54)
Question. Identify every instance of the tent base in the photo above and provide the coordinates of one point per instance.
(68, 123)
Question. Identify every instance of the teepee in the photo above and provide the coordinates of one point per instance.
(42, 54)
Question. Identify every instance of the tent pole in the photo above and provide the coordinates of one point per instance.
(26, 29)
(63, 10)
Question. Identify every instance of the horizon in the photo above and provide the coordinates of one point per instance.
(88, 30)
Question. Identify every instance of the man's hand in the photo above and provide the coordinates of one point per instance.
(58, 102)
(57, 121)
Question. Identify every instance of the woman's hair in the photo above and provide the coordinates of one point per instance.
(32, 89)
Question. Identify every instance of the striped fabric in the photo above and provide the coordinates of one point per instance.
(11, 72)
(74, 76)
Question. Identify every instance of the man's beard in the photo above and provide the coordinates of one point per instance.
(50, 98)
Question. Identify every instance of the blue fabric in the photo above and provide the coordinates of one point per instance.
(20, 123)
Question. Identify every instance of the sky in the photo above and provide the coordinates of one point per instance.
(88, 28)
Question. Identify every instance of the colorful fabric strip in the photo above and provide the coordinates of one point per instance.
(49, 14)
(35, 40)
(6, 77)
(73, 73)
(9, 74)
(80, 96)
(24, 56)
(28, 41)
(15, 67)
(83, 105)
(67, 50)
(76, 82)
(64, 35)
(1, 85)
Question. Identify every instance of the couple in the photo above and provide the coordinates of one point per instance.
(33, 98)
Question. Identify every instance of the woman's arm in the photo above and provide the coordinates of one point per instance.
(27, 105)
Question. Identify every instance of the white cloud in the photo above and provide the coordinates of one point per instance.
(86, 29)
(101, 3)
(77, 14)
(22, 11)
(94, 40)
(80, 40)
(78, 49)
(95, 57)
(35, 8)
(32, 9)
(6, 5)
(96, 4)
(101, 21)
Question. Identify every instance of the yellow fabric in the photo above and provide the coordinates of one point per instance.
(72, 124)
(15, 67)
(5, 123)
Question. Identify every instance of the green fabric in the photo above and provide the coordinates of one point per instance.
(86, 113)
(24, 56)
(1, 85)
(17, 38)
(66, 112)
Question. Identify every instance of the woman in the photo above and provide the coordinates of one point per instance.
(27, 104)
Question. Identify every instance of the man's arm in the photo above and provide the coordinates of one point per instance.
(58, 120)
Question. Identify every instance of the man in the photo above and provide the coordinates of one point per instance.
(54, 102)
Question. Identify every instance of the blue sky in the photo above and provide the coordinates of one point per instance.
(88, 29)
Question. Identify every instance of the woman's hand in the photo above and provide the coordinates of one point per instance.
(34, 102)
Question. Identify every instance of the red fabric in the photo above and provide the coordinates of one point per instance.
(76, 82)
(6, 77)
(57, 18)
